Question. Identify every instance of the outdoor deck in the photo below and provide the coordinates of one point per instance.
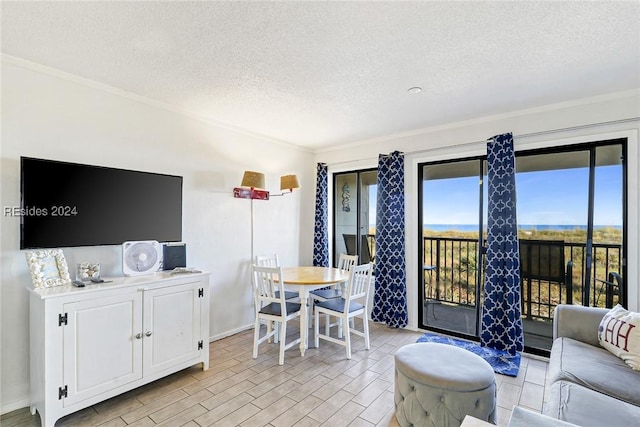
(461, 319)
(553, 272)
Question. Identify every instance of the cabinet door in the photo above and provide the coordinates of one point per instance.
(100, 347)
(171, 327)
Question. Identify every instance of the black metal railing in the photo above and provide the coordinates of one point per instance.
(552, 272)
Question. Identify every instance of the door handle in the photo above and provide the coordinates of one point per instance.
(138, 335)
(148, 333)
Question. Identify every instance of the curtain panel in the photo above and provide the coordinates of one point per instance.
(321, 228)
(501, 321)
(390, 298)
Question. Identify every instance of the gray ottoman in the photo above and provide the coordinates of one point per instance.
(439, 384)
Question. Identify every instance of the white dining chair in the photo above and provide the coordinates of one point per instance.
(273, 261)
(345, 263)
(273, 309)
(267, 260)
(347, 307)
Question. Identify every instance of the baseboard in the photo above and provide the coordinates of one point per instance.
(231, 332)
(10, 407)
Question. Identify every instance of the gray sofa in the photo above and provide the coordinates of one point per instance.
(587, 385)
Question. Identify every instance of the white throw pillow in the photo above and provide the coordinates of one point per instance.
(619, 332)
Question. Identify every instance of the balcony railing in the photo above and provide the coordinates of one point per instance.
(552, 272)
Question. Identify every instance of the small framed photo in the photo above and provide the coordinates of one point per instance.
(48, 268)
(88, 271)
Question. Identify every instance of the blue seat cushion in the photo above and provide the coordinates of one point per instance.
(327, 293)
(273, 309)
(287, 294)
(338, 305)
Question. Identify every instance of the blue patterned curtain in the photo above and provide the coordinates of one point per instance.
(321, 229)
(501, 322)
(390, 298)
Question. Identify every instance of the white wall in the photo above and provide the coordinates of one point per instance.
(553, 125)
(48, 114)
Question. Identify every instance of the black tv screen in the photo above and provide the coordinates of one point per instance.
(68, 204)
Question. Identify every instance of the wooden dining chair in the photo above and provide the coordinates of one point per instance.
(345, 263)
(273, 309)
(347, 307)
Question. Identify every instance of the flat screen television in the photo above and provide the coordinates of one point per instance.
(69, 204)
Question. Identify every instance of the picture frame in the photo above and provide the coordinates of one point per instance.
(48, 268)
(88, 271)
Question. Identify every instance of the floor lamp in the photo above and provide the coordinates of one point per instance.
(252, 187)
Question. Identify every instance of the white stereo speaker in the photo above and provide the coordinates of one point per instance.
(141, 257)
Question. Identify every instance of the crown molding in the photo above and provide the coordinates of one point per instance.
(63, 75)
(486, 119)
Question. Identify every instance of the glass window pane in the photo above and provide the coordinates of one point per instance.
(553, 208)
(607, 227)
(450, 230)
(368, 197)
(346, 215)
(355, 214)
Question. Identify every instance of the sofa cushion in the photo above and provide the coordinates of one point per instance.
(594, 368)
(619, 332)
(579, 405)
(522, 417)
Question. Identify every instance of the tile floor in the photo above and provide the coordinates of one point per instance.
(320, 389)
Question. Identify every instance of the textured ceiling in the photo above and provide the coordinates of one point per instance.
(320, 74)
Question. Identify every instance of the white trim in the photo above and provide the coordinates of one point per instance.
(230, 332)
(486, 119)
(633, 221)
(18, 404)
(33, 66)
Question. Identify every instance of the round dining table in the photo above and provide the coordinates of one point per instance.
(306, 279)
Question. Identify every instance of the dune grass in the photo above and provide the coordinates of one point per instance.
(456, 278)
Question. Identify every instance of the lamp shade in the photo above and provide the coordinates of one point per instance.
(253, 179)
(289, 182)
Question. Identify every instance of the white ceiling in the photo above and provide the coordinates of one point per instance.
(320, 74)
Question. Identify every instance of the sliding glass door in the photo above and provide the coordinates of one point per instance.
(355, 215)
(452, 232)
(570, 203)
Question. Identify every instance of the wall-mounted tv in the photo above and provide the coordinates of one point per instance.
(69, 204)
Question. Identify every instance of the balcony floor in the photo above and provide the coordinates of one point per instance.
(461, 318)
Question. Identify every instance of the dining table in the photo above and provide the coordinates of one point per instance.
(304, 280)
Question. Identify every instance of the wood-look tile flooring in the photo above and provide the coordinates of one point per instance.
(322, 388)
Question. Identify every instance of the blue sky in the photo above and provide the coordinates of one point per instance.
(557, 197)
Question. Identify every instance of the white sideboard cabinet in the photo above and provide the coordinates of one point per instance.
(89, 344)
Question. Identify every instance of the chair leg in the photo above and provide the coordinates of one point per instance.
(311, 317)
(316, 329)
(256, 337)
(283, 339)
(327, 324)
(365, 322)
(270, 325)
(276, 336)
(347, 337)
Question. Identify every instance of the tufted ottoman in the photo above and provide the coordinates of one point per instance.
(439, 384)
